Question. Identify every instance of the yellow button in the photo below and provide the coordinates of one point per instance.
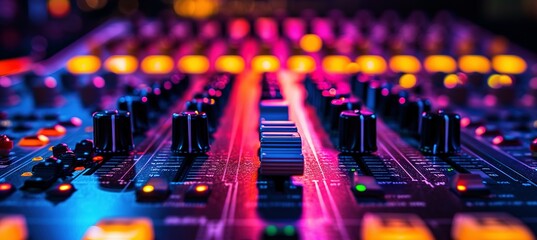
(13, 227)
(336, 64)
(265, 63)
(230, 63)
(405, 64)
(440, 63)
(84, 64)
(488, 226)
(34, 141)
(371, 64)
(474, 63)
(301, 64)
(509, 64)
(121, 228)
(54, 131)
(193, 64)
(384, 226)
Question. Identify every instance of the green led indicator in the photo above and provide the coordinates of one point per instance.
(289, 230)
(271, 230)
(360, 188)
(450, 169)
(353, 170)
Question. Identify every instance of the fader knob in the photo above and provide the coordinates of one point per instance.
(357, 132)
(410, 115)
(339, 105)
(138, 108)
(112, 132)
(190, 133)
(440, 133)
(207, 106)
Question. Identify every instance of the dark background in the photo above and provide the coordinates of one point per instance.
(26, 22)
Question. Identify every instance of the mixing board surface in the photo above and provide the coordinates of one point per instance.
(272, 128)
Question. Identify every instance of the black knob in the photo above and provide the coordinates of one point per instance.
(8, 96)
(440, 133)
(47, 93)
(339, 105)
(357, 132)
(112, 132)
(138, 108)
(60, 149)
(410, 115)
(390, 107)
(190, 133)
(92, 93)
(207, 106)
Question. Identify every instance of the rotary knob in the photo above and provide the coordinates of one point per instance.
(440, 133)
(6, 145)
(138, 108)
(339, 105)
(410, 115)
(112, 132)
(357, 132)
(190, 133)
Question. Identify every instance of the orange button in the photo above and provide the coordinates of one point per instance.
(121, 228)
(489, 226)
(13, 227)
(54, 131)
(34, 141)
(394, 226)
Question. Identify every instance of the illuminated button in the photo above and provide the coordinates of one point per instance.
(155, 189)
(198, 192)
(5, 145)
(336, 64)
(469, 185)
(6, 189)
(121, 64)
(496, 81)
(301, 64)
(265, 63)
(230, 64)
(286, 232)
(311, 43)
(13, 227)
(408, 81)
(405, 64)
(62, 190)
(487, 131)
(193, 64)
(474, 63)
(394, 226)
(121, 228)
(506, 141)
(440, 63)
(452, 81)
(71, 122)
(509, 64)
(86, 64)
(54, 131)
(34, 141)
(157, 64)
(488, 226)
(366, 186)
(371, 64)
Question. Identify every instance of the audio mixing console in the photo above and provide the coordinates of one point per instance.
(272, 128)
